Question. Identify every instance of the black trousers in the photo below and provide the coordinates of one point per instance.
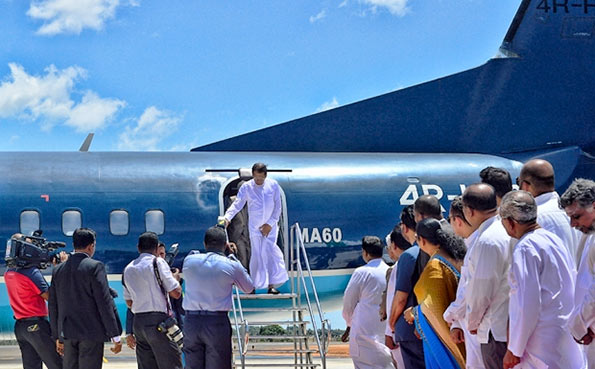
(493, 353)
(83, 354)
(207, 340)
(36, 344)
(413, 354)
(153, 349)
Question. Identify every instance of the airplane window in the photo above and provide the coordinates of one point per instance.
(118, 222)
(155, 221)
(71, 220)
(29, 221)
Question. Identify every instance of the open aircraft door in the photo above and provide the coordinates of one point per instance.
(226, 197)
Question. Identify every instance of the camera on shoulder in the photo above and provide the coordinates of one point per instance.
(25, 251)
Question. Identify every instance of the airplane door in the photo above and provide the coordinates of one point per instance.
(238, 229)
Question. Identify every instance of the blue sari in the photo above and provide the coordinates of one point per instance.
(436, 354)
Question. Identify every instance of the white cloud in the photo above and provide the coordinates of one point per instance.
(395, 7)
(48, 99)
(328, 105)
(153, 126)
(72, 16)
(344, 3)
(317, 17)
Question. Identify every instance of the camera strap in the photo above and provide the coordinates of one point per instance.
(160, 283)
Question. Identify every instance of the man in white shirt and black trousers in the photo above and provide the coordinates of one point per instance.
(150, 304)
(209, 280)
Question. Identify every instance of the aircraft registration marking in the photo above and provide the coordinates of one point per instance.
(565, 6)
(326, 235)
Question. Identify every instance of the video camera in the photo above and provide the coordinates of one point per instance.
(32, 250)
(170, 255)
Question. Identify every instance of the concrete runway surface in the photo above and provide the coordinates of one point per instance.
(10, 358)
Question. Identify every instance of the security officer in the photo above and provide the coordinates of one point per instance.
(209, 280)
(27, 293)
(148, 284)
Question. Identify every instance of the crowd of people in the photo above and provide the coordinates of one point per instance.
(83, 316)
(506, 281)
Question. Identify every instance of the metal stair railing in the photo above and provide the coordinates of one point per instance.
(241, 327)
(300, 252)
(299, 273)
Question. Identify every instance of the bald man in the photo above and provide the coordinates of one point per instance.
(537, 178)
(541, 291)
(487, 262)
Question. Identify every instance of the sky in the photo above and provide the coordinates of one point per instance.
(172, 75)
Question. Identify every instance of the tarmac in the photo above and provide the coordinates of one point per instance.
(10, 358)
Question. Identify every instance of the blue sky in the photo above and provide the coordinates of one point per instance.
(172, 75)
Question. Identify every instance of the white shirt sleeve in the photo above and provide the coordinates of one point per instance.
(238, 204)
(583, 316)
(274, 219)
(169, 282)
(456, 309)
(241, 278)
(483, 283)
(525, 299)
(351, 297)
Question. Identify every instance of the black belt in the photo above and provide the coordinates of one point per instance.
(151, 313)
(206, 312)
(32, 319)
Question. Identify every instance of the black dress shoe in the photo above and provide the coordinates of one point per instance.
(273, 291)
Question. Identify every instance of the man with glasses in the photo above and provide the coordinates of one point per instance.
(579, 204)
(537, 178)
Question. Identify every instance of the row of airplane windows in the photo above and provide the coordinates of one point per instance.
(119, 221)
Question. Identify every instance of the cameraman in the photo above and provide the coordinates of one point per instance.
(150, 304)
(27, 293)
(176, 304)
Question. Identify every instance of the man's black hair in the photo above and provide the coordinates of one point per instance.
(478, 197)
(498, 178)
(148, 242)
(372, 245)
(428, 206)
(259, 168)
(396, 237)
(82, 237)
(215, 239)
(407, 217)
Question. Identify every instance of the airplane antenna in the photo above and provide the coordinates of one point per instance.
(87, 143)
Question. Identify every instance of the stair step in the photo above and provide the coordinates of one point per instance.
(281, 351)
(277, 322)
(276, 365)
(287, 336)
(267, 296)
(263, 309)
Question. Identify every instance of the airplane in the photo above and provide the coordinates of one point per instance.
(345, 173)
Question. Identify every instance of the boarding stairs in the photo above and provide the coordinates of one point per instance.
(305, 340)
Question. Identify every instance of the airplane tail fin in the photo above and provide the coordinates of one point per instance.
(536, 94)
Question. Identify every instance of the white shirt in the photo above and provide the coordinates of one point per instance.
(550, 217)
(141, 284)
(209, 280)
(390, 294)
(456, 309)
(264, 203)
(361, 306)
(583, 316)
(486, 292)
(541, 301)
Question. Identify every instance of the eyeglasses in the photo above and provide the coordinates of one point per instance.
(520, 181)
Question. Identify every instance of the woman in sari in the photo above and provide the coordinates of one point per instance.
(435, 290)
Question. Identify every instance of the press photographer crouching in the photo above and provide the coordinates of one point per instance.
(148, 285)
(27, 294)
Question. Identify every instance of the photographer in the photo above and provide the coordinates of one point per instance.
(148, 284)
(27, 294)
